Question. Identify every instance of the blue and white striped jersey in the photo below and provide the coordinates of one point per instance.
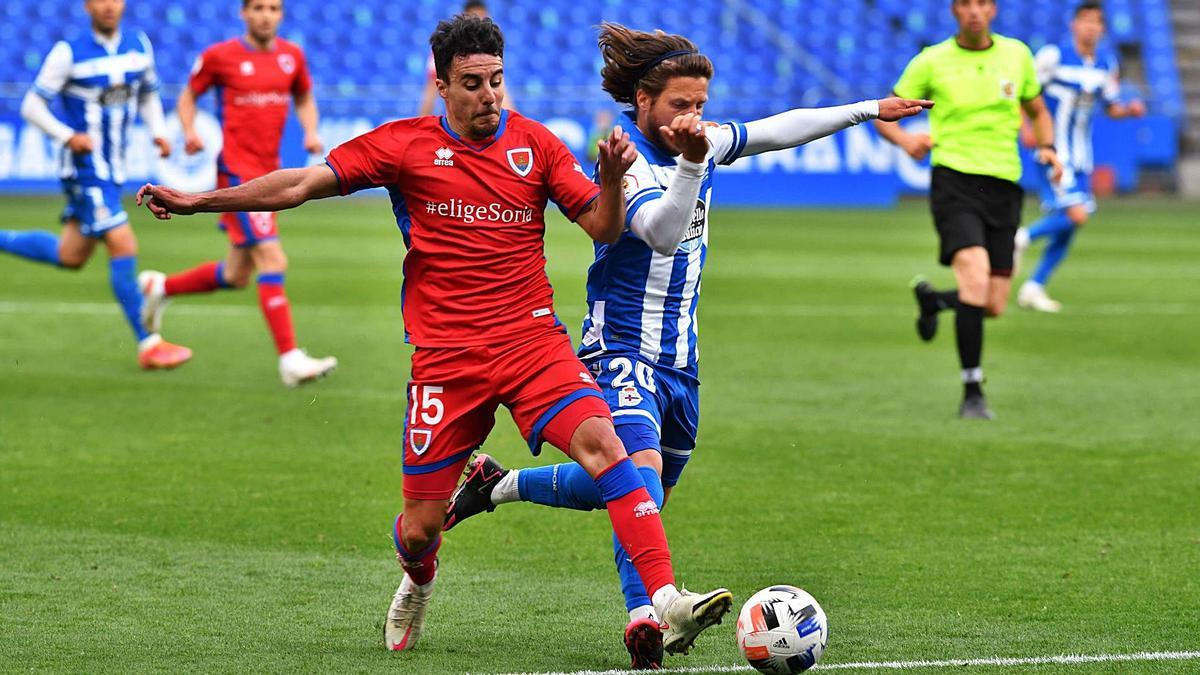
(1072, 85)
(101, 82)
(640, 301)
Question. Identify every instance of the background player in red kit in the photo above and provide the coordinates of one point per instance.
(469, 191)
(257, 77)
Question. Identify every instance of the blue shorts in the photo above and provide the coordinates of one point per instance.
(96, 205)
(653, 408)
(1075, 189)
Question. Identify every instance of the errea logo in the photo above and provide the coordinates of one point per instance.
(443, 157)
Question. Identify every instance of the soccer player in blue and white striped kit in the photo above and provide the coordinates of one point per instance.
(639, 337)
(1075, 76)
(104, 78)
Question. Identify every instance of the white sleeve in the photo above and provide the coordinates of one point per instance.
(1046, 62)
(802, 125)
(55, 72)
(1111, 93)
(150, 108)
(661, 221)
(36, 111)
(726, 140)
(150, 82)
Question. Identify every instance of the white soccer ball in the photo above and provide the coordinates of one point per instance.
(782, 630)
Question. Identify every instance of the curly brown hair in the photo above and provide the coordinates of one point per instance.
(635, 59)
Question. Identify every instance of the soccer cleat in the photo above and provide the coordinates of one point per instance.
(927, 307)
(1033, 296)
(158, 354)
(153, 286)
(689, 614)
(975, 407)
(297, 367)
(474, 496)
(406, 616)
(644, 640)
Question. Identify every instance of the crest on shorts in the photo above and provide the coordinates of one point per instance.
(287, 63)
(418, 440)
(521, 161)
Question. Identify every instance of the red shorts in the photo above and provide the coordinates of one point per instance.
(455, 391)
(246, 229)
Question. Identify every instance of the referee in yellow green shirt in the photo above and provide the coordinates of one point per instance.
(980, 81)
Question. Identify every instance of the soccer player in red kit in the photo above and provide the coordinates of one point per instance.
(257, 77)
(468, 191)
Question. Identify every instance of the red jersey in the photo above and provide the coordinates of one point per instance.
(472, 216)
(254, 92)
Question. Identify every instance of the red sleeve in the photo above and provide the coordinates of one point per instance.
(370, 160)
(204, 71)
(568, 185)
(302, 83)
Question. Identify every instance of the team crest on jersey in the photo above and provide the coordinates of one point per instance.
(418, 440)
(247, 68)
(521, 161)
(1008, 89)
(287, 63)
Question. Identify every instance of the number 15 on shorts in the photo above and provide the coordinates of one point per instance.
(425, 408)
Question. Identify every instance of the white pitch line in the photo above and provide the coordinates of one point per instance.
(999, 662)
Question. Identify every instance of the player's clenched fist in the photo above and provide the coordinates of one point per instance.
(163, 201)
(617, 154)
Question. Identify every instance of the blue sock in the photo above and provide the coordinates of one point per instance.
(1052, 257)
(1050, 224)
(561, 485)
(631, 581)
(36, 245)
(122, 272)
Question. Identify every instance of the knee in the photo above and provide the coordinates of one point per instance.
(974, 288)
(995, 309)
(1078, 216)
(419, 535)
(238, 278)
(71, 261)
(595, 445)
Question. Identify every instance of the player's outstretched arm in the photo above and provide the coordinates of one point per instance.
(604, 220)
(803, 125)
(276, 191)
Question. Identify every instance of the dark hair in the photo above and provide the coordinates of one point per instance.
(474, 4)
(634, 60)
(1088, 6)
(464, 35)
(246, 3)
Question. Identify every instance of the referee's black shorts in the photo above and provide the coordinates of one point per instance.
(973, 210)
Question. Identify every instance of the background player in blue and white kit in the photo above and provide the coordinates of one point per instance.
(639, 337)
(104, 78)
(1075, 76)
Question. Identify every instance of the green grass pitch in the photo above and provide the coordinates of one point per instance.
(208, 519)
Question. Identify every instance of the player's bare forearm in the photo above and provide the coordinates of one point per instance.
(185, 108)
(605, 220)
(1043, 125)
(891, 132)
(306, 112)
(276, 191)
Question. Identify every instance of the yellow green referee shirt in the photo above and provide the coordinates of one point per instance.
(978, 94)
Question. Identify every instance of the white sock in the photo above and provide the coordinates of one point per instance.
(507, 489)
(148, 342)
(643, 612)
(663, 598)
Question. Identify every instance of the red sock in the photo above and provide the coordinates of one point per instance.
(277, 311)
(637, 524)
(200, 279)
(421, 566)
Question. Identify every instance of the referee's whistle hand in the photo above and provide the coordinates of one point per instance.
(917, 146)
(895, 109)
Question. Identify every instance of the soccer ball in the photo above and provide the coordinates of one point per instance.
(782, 630)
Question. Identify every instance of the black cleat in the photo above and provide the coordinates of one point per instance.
(975, 407)
(927, 305)
(644, 640)
(475, 494)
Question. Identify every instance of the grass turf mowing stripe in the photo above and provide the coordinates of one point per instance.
(999, 661)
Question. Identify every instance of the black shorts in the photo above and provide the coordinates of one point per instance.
(972, 210)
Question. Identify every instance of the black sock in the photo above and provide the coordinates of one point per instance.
(968, 324)
(947, 299)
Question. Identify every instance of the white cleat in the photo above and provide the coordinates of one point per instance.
(153, 286)
(690, 614)
(296, 367)
(1033, 296)
(406, 616)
